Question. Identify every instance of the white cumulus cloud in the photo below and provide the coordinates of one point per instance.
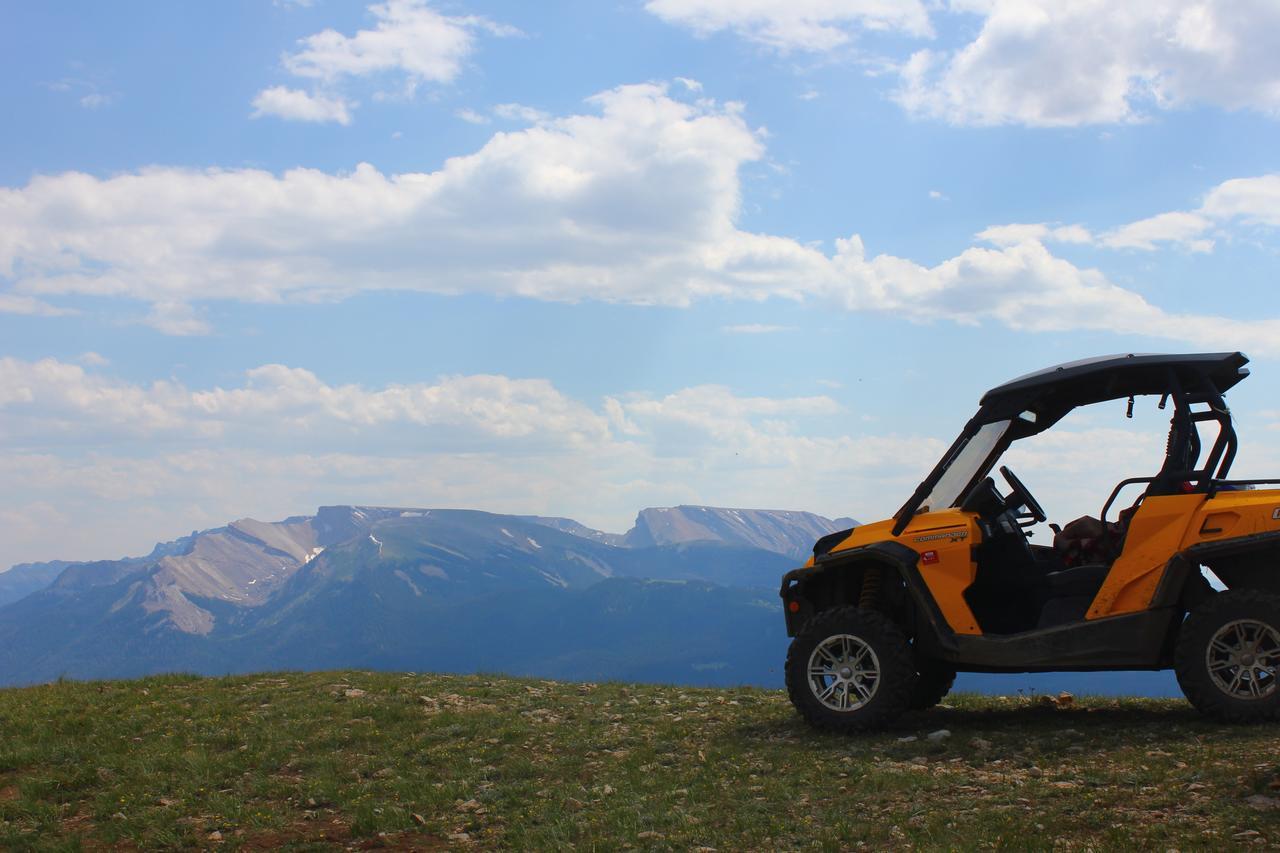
(1254, 201)
(1231, 205)
(299, 105)
(410, 38)
(55, 401)
(1015, 233)
(636, 200)
(1048, 63)
(629, 204)
(1042, 63)
(410, 43)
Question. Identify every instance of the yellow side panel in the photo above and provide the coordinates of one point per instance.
(950, 535)
(1155, 534)
(1233, 514)
(1163, 526)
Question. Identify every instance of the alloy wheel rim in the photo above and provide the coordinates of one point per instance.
(844, 672)
(1243, 658)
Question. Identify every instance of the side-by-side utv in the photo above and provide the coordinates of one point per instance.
(885, 614)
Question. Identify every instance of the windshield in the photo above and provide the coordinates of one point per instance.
(964, 467)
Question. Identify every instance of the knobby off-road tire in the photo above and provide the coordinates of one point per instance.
(1228, 656)
(849, 670)
(933, 681)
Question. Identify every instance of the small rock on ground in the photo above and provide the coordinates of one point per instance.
(1262, 802)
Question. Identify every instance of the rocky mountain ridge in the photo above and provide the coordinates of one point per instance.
(782, 531)
(365, 586)
(245, 562)
(25, 578)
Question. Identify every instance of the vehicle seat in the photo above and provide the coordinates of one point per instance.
(1088, 541)
(1087, 548)
(1077, 580)
(1071, 591)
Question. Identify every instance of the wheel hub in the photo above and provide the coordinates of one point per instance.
(1243, 659)
(844, 672)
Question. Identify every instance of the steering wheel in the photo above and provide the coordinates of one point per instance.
(1024, 497)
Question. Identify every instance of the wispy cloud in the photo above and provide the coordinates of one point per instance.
(13, 303)
(520, 112)
(176, 318)
(96, 100)
(470, 116)
(90, 89)
(787, 25)
(410, 43)
(1233, 206)
(755, 329)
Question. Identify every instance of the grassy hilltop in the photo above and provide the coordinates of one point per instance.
(435, 762)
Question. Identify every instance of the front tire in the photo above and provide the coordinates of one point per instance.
(850, 669)
(1228, 656)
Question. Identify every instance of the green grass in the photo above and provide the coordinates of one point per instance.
(354, 758)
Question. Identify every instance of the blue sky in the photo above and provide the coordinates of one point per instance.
(579, 258)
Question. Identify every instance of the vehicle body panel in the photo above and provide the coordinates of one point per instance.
(1227, 515)
(1155, 534)
(944, 541)
(1170, 524)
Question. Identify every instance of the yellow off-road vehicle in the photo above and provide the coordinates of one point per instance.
(885, 614)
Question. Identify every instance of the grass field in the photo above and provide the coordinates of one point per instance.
(436, 762)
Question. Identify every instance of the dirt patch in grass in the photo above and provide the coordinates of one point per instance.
(300, 832)
(320, 833)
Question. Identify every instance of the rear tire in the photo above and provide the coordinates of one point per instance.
(1228, 656)
(850, 669)
(933, 681)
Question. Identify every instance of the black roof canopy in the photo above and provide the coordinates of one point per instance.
(1054, 391)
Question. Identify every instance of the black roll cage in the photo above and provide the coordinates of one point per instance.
(1049, 395)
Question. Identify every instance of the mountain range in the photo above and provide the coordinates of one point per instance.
(688, 595)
